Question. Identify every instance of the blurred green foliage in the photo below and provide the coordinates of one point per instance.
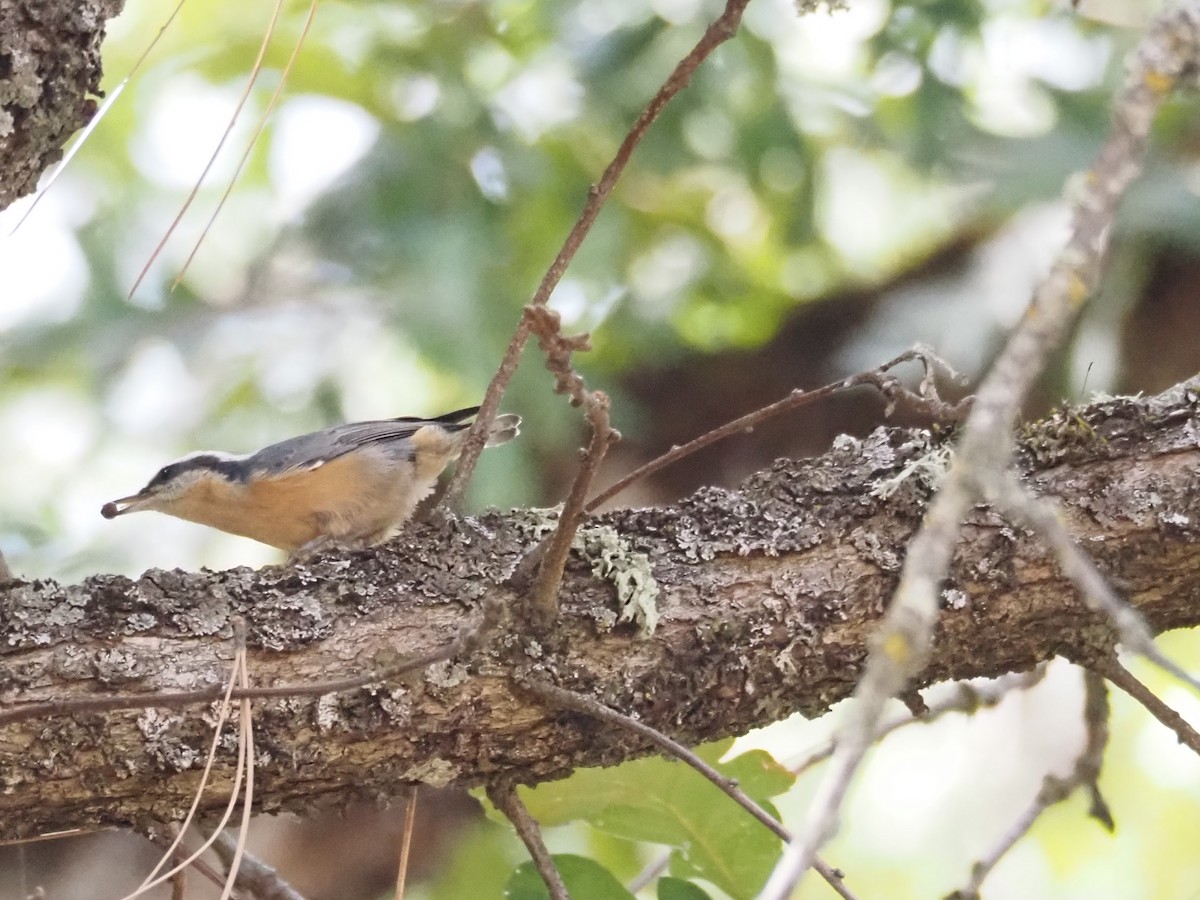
(419, 177)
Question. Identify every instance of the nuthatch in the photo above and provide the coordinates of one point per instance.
(353, 484)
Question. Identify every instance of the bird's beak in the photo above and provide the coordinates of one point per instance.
(133, 503)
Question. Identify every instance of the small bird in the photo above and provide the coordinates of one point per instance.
(352, 484)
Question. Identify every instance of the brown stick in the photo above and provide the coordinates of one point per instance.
(410, 815)
(1086, 773)
(586, 705)
(1111, 668)
(926, 400)
(719, 31)
(505, 798)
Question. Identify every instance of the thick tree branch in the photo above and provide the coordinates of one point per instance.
(48, 81)
(767, 595)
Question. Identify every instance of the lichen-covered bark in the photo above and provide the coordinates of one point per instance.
(767, 597)
(49, 76)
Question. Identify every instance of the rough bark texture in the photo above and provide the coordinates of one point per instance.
(767, 596)
(49, 74)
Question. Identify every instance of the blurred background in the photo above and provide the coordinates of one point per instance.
(829, 190)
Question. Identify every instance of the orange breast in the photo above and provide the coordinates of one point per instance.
(289, 510)
(292, 509)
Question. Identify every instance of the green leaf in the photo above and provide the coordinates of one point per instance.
(756, 771)
(583, 877)
(667, 802)
(677, 889)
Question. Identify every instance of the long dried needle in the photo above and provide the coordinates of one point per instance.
(255, 69)
(258, 130)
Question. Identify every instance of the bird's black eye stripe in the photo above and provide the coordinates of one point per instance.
(165, 474)
(232, 469)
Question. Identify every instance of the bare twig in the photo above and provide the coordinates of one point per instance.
(721, 30)
(546, 324)
(1086, 773)
(194, 857)
(179, 854)
(551, 554)
(924, 400)
(178, 883)
(543, 597)
(568, 699)
(1111, 668)
(467, 639)
(410, 815)
(254, 876)
(901, 647)
(1013, 498)
(967, 698)
(504, 797)
(652, 870)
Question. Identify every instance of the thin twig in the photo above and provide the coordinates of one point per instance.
(1111, 668)
(179, 854)
(967, 698)
(568, 699)
(234, 793)
(504, 798)
(719, 31)
(652, 870)
(902, 643)
(924, 400)
(1020, 505)
(551, 555)
(178, 883)
(254, 876)
(546, 324)
(543, 596)
(466, 640)
(1085, 773)
(410, 816)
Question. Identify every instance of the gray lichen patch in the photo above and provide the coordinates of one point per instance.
(927, 470)
(129, 663)
(1108, 426)
(435, 772)
(615, 560)
(446, 674)
(163, 744)
(798, 505)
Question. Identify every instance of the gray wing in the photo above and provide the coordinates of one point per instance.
(311, 450)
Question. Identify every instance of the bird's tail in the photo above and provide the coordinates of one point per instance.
(504, 429)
